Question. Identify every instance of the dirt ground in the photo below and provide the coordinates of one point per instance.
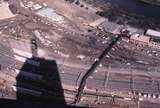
(72, 11)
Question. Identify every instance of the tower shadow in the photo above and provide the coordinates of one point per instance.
(38, 86)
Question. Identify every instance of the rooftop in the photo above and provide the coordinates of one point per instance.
(154, 33)
(142, 38)
(51, 14)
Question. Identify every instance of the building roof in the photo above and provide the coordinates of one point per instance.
(110, 27)
(51, 14)
(153, 33)
(98, 22)
(142, 38)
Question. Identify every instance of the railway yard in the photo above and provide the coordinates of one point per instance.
(51, 55)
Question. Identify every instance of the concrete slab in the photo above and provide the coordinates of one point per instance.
(5, 11)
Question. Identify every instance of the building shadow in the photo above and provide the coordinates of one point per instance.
(39, 83)
(124, 18)
(38, 86)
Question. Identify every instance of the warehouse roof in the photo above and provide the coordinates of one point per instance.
(138, 37)
(153, 33)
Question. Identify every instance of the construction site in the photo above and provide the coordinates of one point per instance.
(61, 53)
